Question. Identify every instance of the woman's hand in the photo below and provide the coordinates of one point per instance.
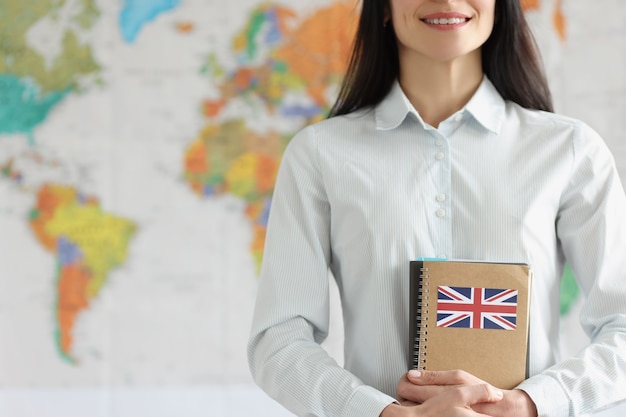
(420, 386)
(453, 402)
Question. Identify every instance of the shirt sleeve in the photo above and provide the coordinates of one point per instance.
(291, 315)
(591, 227)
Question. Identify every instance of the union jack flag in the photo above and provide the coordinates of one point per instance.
(476, 308)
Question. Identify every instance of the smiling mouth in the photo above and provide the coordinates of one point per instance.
(446, 21)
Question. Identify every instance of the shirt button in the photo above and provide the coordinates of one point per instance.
(441, 213)
(439, 142)
(458, 117)
(441, 197)
(440, 156)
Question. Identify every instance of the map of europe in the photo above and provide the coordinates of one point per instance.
(268, 77)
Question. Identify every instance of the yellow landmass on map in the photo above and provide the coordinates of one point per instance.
(241, 175)
(87, 243)
(102, 238)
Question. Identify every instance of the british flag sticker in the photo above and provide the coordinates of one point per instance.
(476, 308)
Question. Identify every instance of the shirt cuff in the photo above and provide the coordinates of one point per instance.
(548, 395)
(366, 402)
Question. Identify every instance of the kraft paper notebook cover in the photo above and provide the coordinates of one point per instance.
(472, 316)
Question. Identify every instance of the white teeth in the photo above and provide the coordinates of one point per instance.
(444, 21)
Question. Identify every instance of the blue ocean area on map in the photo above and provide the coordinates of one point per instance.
(136, 13)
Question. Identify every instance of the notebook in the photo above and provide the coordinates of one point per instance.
(470, 315)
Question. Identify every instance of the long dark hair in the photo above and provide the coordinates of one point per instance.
(510, 59)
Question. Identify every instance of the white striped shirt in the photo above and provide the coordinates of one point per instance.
(364, 194)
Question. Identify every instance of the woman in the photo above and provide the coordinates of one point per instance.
(441, 144)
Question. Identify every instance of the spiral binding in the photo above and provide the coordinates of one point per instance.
(421, 339)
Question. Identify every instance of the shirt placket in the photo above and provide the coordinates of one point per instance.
(442, 179)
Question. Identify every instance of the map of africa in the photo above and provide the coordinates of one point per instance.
(139, 144)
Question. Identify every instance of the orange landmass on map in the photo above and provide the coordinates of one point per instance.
(267, 169)
(196, 165)
(49, 198)
(318, 50)
(284, 15)
(530, 5)
(185, 27)
(558, 18)
(196, 158)
(212, 108)
(72, 299)
(253, 212)
(259, 239)
(261, 79)
(244, 77)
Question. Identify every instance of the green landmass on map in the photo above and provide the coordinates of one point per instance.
(569, 291)
(29, 85)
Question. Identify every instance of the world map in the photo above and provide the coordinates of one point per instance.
(134, 183)
(284, 71)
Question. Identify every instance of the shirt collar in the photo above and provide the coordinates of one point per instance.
(394, 108)
(486, 106)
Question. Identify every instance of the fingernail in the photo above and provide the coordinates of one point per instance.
(499, 394)
(415, 374)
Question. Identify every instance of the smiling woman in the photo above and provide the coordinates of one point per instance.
(509, 59)
(418, 27)
(442, 143)
(452, 21)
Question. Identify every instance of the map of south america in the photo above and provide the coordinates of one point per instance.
(87, 244)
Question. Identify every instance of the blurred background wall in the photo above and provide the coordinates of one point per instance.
(139, 141)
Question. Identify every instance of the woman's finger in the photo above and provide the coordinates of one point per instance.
(407, 390)
(474, 394)
(454, 377)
